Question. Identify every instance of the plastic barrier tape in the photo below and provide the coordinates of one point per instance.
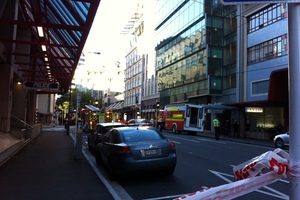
(249, 177)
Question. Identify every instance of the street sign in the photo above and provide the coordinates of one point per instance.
(41, 85)
(230, 2)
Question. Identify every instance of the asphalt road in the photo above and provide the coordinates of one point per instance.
(202, 163)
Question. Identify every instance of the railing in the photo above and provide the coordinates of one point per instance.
(27, 125)
(24, 130)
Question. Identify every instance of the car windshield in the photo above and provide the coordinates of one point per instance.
(136, 135)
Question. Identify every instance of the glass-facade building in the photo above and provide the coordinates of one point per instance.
(236, 55)
(190, 43)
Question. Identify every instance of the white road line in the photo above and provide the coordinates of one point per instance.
(114, 188)
(185, 139)
(273, 193)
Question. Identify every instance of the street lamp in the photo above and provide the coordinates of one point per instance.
(69, 111)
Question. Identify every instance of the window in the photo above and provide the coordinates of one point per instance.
(268, 50)
(267, 16)
(260, 87)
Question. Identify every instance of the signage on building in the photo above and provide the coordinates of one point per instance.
(254, 109)
(227, 2)
(41, 85)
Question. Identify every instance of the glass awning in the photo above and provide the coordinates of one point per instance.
(58, 31)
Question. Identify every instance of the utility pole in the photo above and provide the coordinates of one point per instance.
(294, 96)
(79, 130)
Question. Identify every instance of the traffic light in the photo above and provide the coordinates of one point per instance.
(109, 117)
(157, 104)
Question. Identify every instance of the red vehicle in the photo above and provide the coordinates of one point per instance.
(181, 118)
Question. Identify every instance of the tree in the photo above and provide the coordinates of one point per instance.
(64, 99)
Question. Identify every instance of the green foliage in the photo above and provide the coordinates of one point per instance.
(63, 100)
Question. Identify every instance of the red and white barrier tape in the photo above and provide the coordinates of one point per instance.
(249, 177)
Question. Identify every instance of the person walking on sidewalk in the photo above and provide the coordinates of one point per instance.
(216, 123)
(236, 129)
(227, 129)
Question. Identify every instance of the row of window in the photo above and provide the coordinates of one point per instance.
(136, 81)
(188, 13)
(183, 45)
(260, 87)
(132, 97)
(270, 49)
(134, 70)
(268, 16)
(267, 50)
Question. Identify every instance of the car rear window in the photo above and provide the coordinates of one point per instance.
(107, 128)
(136, 135)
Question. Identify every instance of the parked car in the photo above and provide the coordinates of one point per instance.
(282, 140)
(139, 122)
(127, 150)
(99, 131)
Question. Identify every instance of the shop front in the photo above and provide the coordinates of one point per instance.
(266, 118)
(264, 122)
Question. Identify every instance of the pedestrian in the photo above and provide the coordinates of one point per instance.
(216, 123)
(227, 129)
(236, 129)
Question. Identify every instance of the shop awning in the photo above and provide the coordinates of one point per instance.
(92, 108)
(49, 48)
(278, 95)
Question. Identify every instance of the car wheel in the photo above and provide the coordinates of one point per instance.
(90, 146)
(98, 157)
(170, 171)
(279, 143)
(111, 171)
(174, 130)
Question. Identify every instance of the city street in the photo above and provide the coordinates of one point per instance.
(202, 163)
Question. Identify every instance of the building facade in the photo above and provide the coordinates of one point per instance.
(208, 53)
(196, 53)
(140, 93)
(263, 67)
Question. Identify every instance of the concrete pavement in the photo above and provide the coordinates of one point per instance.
(46, 168)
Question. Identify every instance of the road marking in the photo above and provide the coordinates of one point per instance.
(273, 193)
(113, 187)
(185, 139)
(116, 190)
(198, 140)
(166, 197)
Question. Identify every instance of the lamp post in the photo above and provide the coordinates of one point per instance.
(69, 112)
(156, 110)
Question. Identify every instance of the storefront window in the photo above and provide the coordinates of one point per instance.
(267, 121)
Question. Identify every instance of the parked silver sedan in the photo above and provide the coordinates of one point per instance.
(99, 131)
(128, 150)
(282, 140)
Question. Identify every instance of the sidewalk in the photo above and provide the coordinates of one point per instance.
(46, 168)
(267, 143)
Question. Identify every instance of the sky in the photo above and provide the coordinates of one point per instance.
(105, 35)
